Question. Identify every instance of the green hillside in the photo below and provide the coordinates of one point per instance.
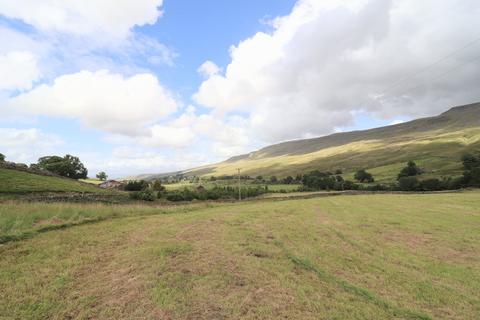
(14, 181)
(436, 143)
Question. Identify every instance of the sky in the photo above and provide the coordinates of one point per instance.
(150, 86)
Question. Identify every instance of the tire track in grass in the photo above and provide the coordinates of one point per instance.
(348, 287)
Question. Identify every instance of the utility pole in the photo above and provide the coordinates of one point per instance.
(239, 187)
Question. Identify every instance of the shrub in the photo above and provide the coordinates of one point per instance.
(135, 185)
(408, 184)
(145, 195)
(157, 186)
(364, 176)
(377, 187)
(470, 161)
(472, 177)
(431, 185)
(213, 194)
(454, 183)
(349, 185)
(288, 180)
(410, 170)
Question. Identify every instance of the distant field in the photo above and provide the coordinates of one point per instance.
(91, 181)
(14, 181)
(221, 183)
(343, 257)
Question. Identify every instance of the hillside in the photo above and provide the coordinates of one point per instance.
(436, 143)
(14, 181)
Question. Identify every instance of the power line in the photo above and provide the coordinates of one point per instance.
(446, 73)
(425, 69)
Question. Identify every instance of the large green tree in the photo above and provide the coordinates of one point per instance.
(68, 166)
(2, 157)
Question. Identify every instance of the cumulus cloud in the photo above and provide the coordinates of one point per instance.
(101, 100)
(26, 145)
(328, 59)
(228, 136)
(208, 69)
(19, 70)
(169, 136)
(127, 160)
(110, 18)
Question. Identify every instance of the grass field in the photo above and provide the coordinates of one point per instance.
(343, 257)
(233, 183)
(91, 181)
(14, 181)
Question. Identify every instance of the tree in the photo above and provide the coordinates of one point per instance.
(471, 175)
(470, 161)
(410, 170)
(408, 184)
(288, 180)
(136, 185)
(102, 176)
(157, 186)
(364, 176)
(2, 157)
(273, 179)
(338, 171)
(431, 185)
(68, 166)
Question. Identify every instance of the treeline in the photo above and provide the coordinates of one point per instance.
(407, 179)
(142, 190)
(216, 193)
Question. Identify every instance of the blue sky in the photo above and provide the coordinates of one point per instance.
(155, 86)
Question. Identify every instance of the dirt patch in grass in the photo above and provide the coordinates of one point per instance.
(411, 240)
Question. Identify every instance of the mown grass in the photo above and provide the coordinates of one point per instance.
(345, 257)
(14, 181)
(24, 220)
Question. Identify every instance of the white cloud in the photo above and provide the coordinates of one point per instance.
(397, 121)
(101, 100)
(228, 136)
(168, 136)
(208, 69)
(127, 160)
(95, 18)
(27, 145)
(19, 70)
(328, 59)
